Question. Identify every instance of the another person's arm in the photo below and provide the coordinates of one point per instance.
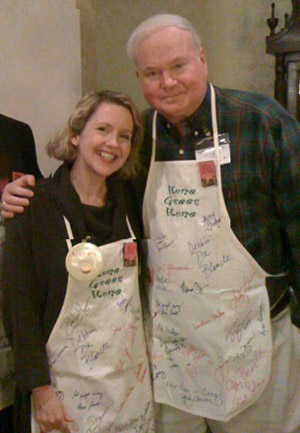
(16, 196)
(28, 150)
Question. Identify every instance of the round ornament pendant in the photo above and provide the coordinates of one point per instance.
(84, 261)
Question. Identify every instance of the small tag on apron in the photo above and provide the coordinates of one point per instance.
(207, 173)
(130, 254)
(205, 151)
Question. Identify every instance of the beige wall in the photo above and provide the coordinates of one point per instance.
(46, 63)
(233, 34)
(40, 74)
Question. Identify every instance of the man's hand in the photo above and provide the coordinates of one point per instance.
(49, 412)
(15, 196)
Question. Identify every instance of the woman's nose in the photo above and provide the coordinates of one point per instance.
(112, 140)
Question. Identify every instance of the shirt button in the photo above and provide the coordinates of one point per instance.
(168, 125)
(181, 152)
(196, 133)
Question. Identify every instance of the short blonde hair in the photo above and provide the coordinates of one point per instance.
(61, 146)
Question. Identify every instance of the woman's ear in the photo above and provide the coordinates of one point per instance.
(75, 140)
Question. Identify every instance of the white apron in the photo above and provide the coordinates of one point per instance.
(97, 352)
(210, 340)
(7, 374)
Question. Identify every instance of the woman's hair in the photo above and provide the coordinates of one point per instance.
(61, 146)
(156, 22)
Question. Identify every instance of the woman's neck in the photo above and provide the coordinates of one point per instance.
(92, 190)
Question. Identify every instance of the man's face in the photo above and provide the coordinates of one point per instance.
(172, 71)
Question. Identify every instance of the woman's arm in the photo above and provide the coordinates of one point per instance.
(49, 412)
(23, 307)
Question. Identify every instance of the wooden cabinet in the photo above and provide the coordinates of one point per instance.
(285, 46)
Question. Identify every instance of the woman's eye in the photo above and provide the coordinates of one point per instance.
(126, 137)
(102, 129)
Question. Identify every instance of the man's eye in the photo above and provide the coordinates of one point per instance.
(179, 67)
(102, 129)
(152, 75)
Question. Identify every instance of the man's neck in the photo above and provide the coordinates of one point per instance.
(180, 128)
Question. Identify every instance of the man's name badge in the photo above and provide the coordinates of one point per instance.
(205, 149)
(207, 173)
(84, 261)
(130, 254)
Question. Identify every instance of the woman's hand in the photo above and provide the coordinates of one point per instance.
(15, 196)
(49, 412)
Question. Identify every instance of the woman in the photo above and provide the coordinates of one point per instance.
(78, 336)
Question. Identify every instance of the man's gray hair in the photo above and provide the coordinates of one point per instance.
(155, 22)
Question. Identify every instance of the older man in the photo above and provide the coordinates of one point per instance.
(221, 212)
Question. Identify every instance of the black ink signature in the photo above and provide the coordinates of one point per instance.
(236, 331)
(75, 317)
(163, 242)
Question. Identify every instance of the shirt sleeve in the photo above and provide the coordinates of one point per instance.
(29, 153)
(286, 182)
(23, 306)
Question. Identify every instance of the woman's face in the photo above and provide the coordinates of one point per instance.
(105, 141)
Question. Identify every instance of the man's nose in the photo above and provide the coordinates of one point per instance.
(167, 79)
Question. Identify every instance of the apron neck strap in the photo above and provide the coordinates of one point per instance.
(217, 153)
(215, 129)
(70, 233)
(130, 228)
(154, 120)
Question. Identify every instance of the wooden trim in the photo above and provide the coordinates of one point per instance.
(88, 38)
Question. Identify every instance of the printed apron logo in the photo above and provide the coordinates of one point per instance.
(181, 202)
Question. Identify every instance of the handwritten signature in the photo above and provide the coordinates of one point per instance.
(75, 317)
(163, 242)
(210, 221)
(209, 268)
(236, 331)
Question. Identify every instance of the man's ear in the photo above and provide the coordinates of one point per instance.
(202, 56)
(203, 60)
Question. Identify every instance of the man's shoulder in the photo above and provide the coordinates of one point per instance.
(250, 102)
(11, 123)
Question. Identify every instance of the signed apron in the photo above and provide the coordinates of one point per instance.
(97, 352)
(210, 339)
(7, 374)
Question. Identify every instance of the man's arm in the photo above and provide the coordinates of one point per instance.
(16, 196)
(286, 176)
(23, 302)
(29, 157)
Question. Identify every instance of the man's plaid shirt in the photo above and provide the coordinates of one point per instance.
(261, 185)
